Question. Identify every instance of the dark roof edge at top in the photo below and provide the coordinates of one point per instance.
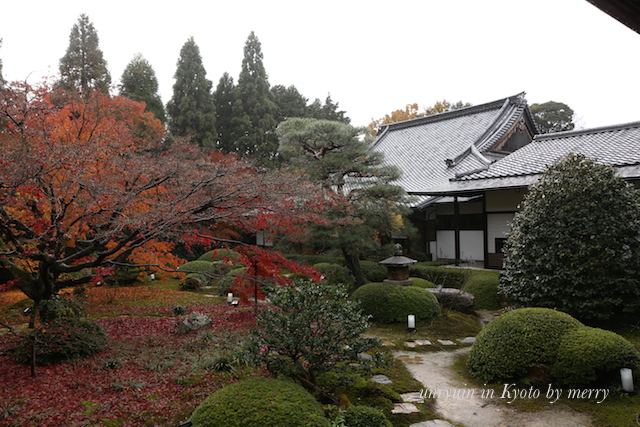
(453, 113)
(564, 134)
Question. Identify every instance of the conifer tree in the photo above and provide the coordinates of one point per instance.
(191, 110)
(83, 67)
(290, 103)
(223, 99)
(139, 83)
(254, 108)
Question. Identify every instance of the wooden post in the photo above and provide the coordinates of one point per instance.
(456, 222)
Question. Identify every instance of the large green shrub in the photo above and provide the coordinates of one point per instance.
(365, 416)
(575, 244)
(373, 271)
(260, 402)
(516, 341)
(62, 340)
(422, 283)
(441, 276)
(587, 355)
(387, 302)
(335, 273)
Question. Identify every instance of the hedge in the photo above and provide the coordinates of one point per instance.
(387, 302)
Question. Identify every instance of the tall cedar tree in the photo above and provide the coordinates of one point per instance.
(191, 110)
(254, 109)
(223, 99)
(83, 67)
(139, 83)
(290, 103)
(332, 154)
(328, 111)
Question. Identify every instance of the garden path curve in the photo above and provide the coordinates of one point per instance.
(434, 371)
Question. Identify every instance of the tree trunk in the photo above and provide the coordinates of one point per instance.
(353, 264)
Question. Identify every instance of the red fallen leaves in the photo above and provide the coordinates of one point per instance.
(146, 377)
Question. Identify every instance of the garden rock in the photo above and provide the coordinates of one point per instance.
(454, 299)
(193, 322)
(404, 408)
(381, 379)
(432, 423)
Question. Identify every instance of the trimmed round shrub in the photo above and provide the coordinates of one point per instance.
(226, 283)
(516, 341)
(422, 283)
(198, 266)
(220, 255)
(484, 287)
(373, 271)
(259, 402)
(388, 302)
(194, 281)
(441, 276)
(335, 273)
(365, 416)
(63, 340)
(590, 355)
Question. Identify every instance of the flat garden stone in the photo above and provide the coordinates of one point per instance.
(413, 397)
(364, 356)
(433, 423)
(468, 340)
(404, 408)
(388, 344)
(381, 379)
(423, 342)
(446, 342)
(410, 344)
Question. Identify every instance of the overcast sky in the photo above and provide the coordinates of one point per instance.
(373, 57)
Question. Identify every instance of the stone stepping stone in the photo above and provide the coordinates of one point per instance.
(381, 379)
(423, 342)
(433, 423)
(404, 408)
(410, 344)
(388, 344)
(413, 397)
(446, 342)
(364, 356)
(468, 340)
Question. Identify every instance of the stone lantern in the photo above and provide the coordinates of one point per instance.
(398, 267)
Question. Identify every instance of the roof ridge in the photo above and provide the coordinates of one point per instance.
(599, 129)
(499, 103)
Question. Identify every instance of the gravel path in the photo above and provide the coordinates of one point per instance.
(462, 404)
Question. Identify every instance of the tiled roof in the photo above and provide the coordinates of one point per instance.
(421, 147)
(612, 145)
(617, 146)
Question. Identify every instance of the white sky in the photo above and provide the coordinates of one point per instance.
(373, 56)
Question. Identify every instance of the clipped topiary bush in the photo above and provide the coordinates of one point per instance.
(441, 276)
(387, 302)
(225, 284)
(198, 266)
(335, 273)
(260, 402)
(220, 255)
(516, 341)
(365, 416)
(422, 283)
(588, 355)
(373, 271)
(63, 340)
(483, 285)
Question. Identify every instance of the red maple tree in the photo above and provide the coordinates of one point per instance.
(89, 182)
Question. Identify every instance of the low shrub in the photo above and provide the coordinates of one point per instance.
(422, 283)
(373, 271)
(220, 255)
(62, 340)
(591, 355)
(516, 341)
(203, 267)
(259, 402)
(335, 273)
(225, 284)
(387, 302)
(194, 281)
(365, 416)
(441, 276)
(484, 287)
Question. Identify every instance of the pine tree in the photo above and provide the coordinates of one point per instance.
(254, 109)
(139, 83)
(223, 99)
(191, 110)
(83, 67)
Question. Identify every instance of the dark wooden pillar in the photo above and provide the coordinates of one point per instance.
(456, 228)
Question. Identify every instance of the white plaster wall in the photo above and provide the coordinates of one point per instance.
(471, 245)
(497, 226)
